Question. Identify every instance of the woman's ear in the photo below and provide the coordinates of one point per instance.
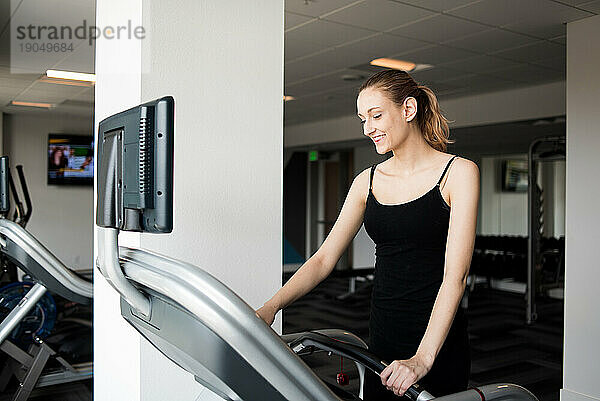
(410, 108)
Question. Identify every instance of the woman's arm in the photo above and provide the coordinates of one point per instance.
(320, 265)
(463, 187)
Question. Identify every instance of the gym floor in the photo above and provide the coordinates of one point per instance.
(503, 347)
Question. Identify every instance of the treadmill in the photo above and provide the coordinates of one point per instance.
(188, 315)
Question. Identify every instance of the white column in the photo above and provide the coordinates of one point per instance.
(222, 61)
(118, 87)
(582, 302)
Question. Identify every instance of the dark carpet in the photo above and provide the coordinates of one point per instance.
(503, 347)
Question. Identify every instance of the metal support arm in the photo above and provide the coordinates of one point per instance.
(108, 264)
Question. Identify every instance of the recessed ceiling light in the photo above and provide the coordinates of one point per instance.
(31, 104)
(352, 77)
(421, 67)
(394, 64)
(287, 98)
(74, 76)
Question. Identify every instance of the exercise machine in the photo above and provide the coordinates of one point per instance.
(21, 216)
(30, 366)
(540, 150)
(233, 352)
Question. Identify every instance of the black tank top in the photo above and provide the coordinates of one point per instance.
(410, 240)
(410, 247)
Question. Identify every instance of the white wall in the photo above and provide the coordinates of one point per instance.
(582, 270)
(62, 215)
(223, 64)
(502, 213)
(539, 101)
(228, 91)
(505, 213)
(118, 87)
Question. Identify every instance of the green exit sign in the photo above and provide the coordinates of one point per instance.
(313, 155)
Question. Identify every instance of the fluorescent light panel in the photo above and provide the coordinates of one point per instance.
(394, 64)
(74, 76)
(69, 82)
(32, 104)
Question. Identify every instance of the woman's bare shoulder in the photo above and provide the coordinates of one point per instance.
(464, 165)
(363, 178)
(464, 172)
(360, 185)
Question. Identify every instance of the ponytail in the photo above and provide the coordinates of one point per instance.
(432, 123)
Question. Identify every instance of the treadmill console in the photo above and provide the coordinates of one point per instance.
(135, 174)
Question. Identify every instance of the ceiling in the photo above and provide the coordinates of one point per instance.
(473, 46)
(69, 100)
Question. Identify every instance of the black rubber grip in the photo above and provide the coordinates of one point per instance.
(413, 392)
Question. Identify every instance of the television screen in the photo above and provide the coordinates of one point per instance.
(70, 159)
(514, 175)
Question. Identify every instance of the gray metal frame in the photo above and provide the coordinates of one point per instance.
(40, 263)
(48, 272)
(108, 263)
(233, 352)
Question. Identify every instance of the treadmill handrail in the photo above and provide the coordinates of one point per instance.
(228, 316)
(356, 353)
(38, 252)
(341, 348)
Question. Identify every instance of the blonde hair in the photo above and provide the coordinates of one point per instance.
(398, 85)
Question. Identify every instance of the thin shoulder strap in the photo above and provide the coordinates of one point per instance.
(446, 169)
(371, 179)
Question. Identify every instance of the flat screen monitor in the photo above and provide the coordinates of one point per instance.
(135, 168)
(70, 159)
(514, 175)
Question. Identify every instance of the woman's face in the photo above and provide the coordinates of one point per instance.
(383, 121)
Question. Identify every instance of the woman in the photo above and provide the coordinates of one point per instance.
(420, 209)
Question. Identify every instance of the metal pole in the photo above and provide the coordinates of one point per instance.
(530, 313)
(111, 269)
(18, 313)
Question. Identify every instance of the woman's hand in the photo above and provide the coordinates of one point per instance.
(398, 376)
(267, 313)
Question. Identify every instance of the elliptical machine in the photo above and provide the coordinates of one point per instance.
(34, 354)
(21, 216)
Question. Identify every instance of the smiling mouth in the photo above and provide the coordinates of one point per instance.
(377, 138)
